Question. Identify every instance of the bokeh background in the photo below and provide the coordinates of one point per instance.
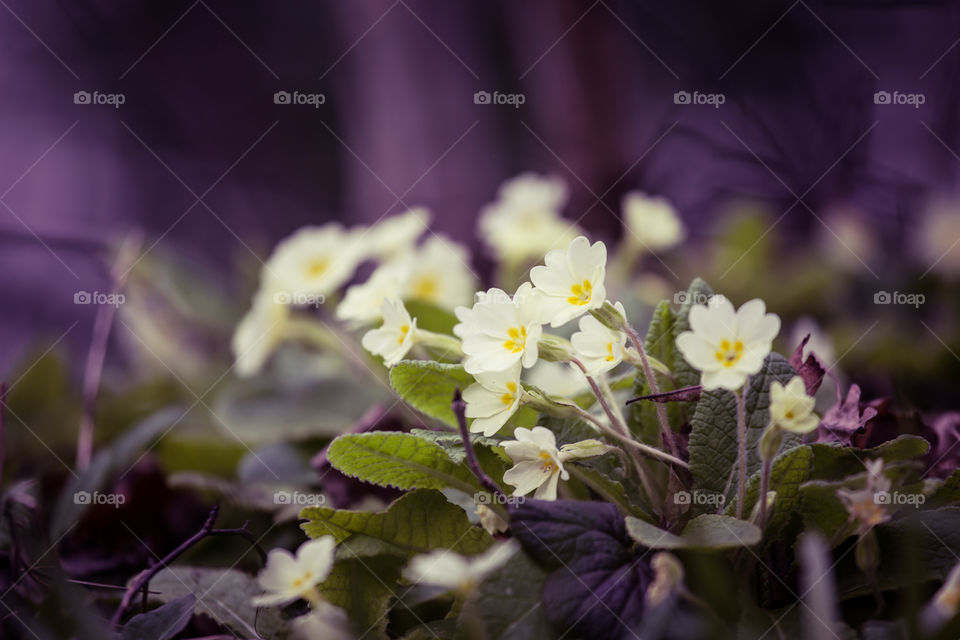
(804, 186)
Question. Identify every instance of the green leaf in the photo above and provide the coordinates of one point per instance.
(713, 439)
(947, 493)
(428, 386)
(363, 587)
(416, 522)
(162, 623)
(431, 317)
(708, 531)
(453, 444)
(399, 460)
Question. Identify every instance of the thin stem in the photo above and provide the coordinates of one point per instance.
(741, 451)
(639, 446)
(460, 411)
(665, 429)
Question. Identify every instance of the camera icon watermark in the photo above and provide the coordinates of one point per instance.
(497, 297)
(110, 99)
(512, 99)
(299, 298)
(95, 297)
(897, 98)
(697, 98)
(898, 498)
(299, 98)
(97, 498)
(299, 499)
(490, 498)
(684, 297)
(912, 299)
(699, 498)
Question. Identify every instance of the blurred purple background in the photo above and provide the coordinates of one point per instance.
(399, 125)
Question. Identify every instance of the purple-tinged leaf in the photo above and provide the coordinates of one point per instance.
(810, 370)
(844, 419)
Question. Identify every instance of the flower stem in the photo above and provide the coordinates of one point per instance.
(460, 411)
(648, 373)
(741, 450)
(639, 446)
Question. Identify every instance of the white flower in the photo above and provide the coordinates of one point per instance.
(259, 333)
(791, 409)
(538, 464)
(652, 222)
(313, 261)
(865, 506)
(490, 521)
(395, 235)
(525, 220)
(287, 577)
(556, 378)
(393, 340)
(500, 331)
(598, 347)
(570, 282)
(450, 570)
(492, 399)
(438, 273)
(362, 303)
(727, 345)
(819, 343)
(324, 621)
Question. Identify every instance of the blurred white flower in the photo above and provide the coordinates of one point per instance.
(492, 399)
(287, 577)
(438, 273)
(525, 220)
(499, 330)
(490, 521)
(396, 235)
(570, 282)
(791, 409)
(394, 338)
(363, 302)
(450, 570)
(557, 378)
(538, 464)
(866, 506)
(259, 333)
(727, 345)
(819, 343)
(652, 222)
(324, 621)
(314, 261)
(939, 239)
(598, 347)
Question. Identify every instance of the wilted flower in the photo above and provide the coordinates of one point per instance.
(727, 345)
(866, 506)
(597, 347)
(500, 331)
(652, 222)
(313, 261)
(791, 409)
(570, 282)
(450, 570)
(538, 464)
(288, 577)
(393, 340)
(259, 333)
(493, 399)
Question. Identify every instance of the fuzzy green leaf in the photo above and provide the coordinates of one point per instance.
(428, 386)
(363, 587)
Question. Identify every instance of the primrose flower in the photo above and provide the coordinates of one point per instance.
(525, 222)
(396, 235)
(492, 399)
(866, 506)
(500, 331)
(393, 340)
(450, 570)
(727, 345)
(438, 273)
(324, 621)
(313, 261)
(570, 282)
(652, 222)
(598, 347)
(362, 303)
(287, 577)
(791, 409)
(538, 464)
(259, 333)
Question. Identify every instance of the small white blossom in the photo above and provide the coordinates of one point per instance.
(492, 399)
(652, 222)
(450, 570)
(396, 235)
(500, 331)
(727, 345)
(288, 577)
(393, 340)
(865, 507)
(362, 303)
(525, 222)
(438, 273)
(538, 464)
(313, 261)
(490, 521)
(570, 282)
(791, 409)
(598, 347)
(259, 333)
(557, 378)
(324, 621)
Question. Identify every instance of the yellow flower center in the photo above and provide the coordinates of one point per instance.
(517, 341)
(508, 398)
(317, 267)
(425, 287)
(581, 293)
(299, 582)
(548, 463)
(610, 357)
(788, 415)
(729, 354)
(404, 330)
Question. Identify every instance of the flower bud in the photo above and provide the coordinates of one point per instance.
(770, 443)
(867, 553)
(554, 348)
(609, 316)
